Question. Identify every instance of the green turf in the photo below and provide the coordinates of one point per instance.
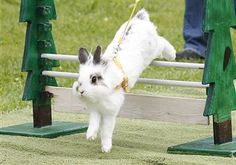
(134, 142)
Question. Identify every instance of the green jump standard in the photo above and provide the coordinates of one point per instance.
(205, 147)
(58, 128)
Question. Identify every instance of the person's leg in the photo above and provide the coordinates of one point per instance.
(193, 34)
(192, 30)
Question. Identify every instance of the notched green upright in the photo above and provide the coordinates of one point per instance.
(220, 67)
(220, 73)
(37, 14)
(28, 9)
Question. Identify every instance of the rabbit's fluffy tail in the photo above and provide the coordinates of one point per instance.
(142, 15)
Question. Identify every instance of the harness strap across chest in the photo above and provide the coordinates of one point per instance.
(124, 83)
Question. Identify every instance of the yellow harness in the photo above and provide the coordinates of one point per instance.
(124, 83)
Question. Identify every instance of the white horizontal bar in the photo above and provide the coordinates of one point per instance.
(154, 63)
(60, 57)
(60, 74)
(178, 64)
(172, 83)
(140, 80)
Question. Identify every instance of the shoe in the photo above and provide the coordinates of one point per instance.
(188, 54)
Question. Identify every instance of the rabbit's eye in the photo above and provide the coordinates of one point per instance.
(94, 79)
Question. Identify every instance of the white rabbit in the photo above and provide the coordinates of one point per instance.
(98, 85)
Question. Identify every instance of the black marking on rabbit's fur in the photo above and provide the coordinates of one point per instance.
(83, 55)
(103, 62)
(142, 15)
(95, 78)
(97, 55)
(128, 31)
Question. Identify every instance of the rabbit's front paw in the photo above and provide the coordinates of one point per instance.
(91, 136)
(106, 148)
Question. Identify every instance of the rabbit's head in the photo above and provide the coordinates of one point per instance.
(91, 84)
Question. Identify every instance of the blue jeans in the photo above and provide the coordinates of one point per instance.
(193, 34)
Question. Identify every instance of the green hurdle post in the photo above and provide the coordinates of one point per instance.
(220, 73)
(38, 40)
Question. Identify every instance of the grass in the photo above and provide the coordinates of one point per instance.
(135, 142)
(89, 23)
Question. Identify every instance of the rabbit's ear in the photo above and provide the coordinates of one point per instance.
(97, 55)
(83, 55)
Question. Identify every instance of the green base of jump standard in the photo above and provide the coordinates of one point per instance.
(205, 147)
(57, 128)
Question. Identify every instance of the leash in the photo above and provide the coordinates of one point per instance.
(127, 25)
(124, 83)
